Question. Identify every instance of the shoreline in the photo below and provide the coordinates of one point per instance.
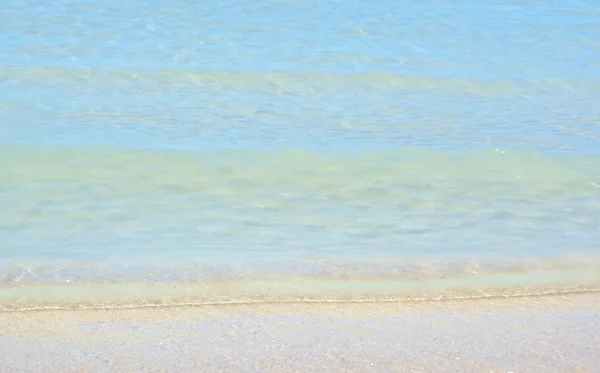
(424, 299)
(293, 289)
(548, 333)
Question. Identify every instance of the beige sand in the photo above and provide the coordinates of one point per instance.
(530, 334)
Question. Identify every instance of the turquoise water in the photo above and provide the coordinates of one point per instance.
(296, 142)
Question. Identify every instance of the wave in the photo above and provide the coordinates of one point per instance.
(127, 295)
(333, 281)
(382, 175)
(284, 82)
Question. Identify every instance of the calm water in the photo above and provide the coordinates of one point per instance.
(336, 141)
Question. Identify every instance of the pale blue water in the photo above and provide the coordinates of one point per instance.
(179, 141)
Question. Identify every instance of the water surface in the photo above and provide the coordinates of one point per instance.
(179, 142)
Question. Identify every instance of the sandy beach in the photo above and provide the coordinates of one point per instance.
(522, 334)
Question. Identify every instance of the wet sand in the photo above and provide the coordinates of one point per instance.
(528, 334)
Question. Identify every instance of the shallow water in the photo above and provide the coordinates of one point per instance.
(170, 142)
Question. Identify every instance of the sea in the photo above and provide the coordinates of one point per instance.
(180, 152)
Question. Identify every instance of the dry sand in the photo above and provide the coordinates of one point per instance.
(532, 334)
